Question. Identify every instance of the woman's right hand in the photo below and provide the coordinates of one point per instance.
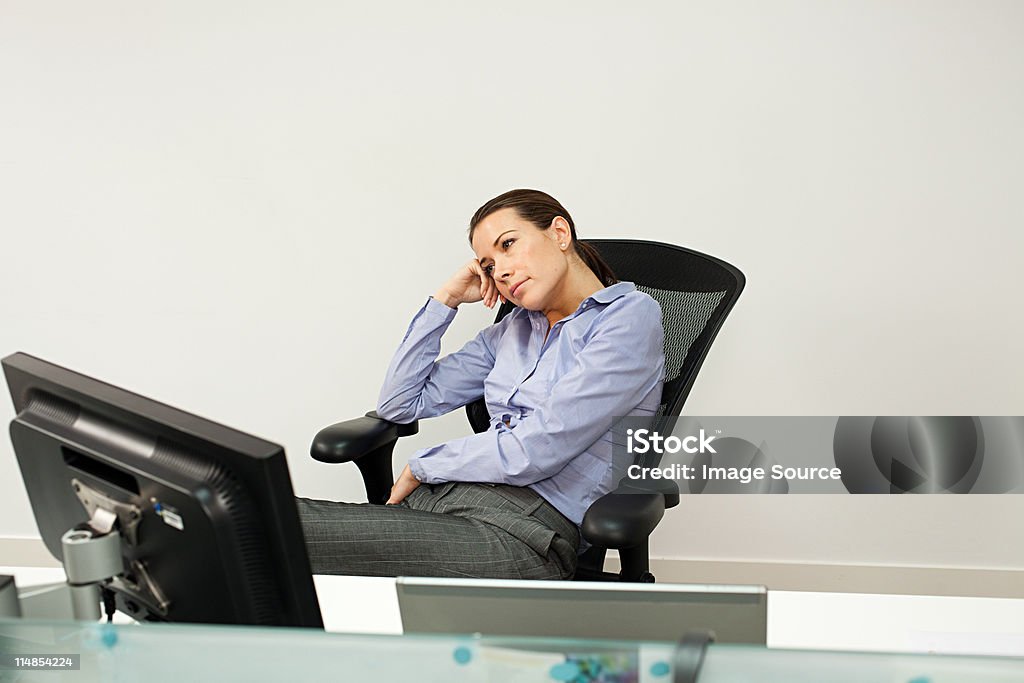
(469, 284)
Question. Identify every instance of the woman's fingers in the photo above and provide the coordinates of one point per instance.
(474, 267)
(489, 293)
(486, 288)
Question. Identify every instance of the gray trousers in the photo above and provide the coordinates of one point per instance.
(453, 529)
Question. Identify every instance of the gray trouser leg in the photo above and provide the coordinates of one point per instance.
(467, 530)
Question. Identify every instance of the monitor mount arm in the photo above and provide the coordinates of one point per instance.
(93, 559)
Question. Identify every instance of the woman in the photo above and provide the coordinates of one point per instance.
(580, 351)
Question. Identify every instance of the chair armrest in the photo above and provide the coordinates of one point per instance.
(668, 487)
(623, 518)
(349, 440)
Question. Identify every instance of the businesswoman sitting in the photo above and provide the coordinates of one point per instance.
(580, 351)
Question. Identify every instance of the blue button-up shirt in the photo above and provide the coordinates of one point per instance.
(554, 397)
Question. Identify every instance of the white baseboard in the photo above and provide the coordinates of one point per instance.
(778, 576)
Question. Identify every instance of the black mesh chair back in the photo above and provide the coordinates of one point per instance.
(696, 293)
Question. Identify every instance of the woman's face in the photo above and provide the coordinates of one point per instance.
(528, 264)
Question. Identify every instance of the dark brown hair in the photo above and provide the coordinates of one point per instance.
(540, 208)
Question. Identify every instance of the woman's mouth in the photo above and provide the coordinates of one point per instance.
(515, 289)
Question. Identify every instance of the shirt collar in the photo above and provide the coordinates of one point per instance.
(610, 294)
(602, 296)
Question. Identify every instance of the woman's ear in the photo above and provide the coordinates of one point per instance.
(562, 232)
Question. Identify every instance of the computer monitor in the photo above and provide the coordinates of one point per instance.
(206, 516)
(582, 609)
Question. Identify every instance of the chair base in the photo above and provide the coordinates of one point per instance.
(591, 575)
(635, 565)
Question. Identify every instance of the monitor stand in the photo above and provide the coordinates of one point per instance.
(93, 560)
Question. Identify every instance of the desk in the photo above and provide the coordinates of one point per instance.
(803, 620)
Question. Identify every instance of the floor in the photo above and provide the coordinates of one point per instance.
(799, 620)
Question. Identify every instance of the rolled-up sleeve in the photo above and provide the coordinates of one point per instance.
(618, 367)
(417, 385)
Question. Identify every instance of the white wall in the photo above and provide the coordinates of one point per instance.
(235, 208)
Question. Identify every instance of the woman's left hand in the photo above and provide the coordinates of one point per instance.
(405, 485)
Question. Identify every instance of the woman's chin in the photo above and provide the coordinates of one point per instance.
(526, 304)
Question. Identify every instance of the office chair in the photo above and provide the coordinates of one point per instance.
(696, 293)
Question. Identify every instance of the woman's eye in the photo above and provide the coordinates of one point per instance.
(506, 243)
(489, 270)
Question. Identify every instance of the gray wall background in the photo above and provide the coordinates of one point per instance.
(236, 208)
